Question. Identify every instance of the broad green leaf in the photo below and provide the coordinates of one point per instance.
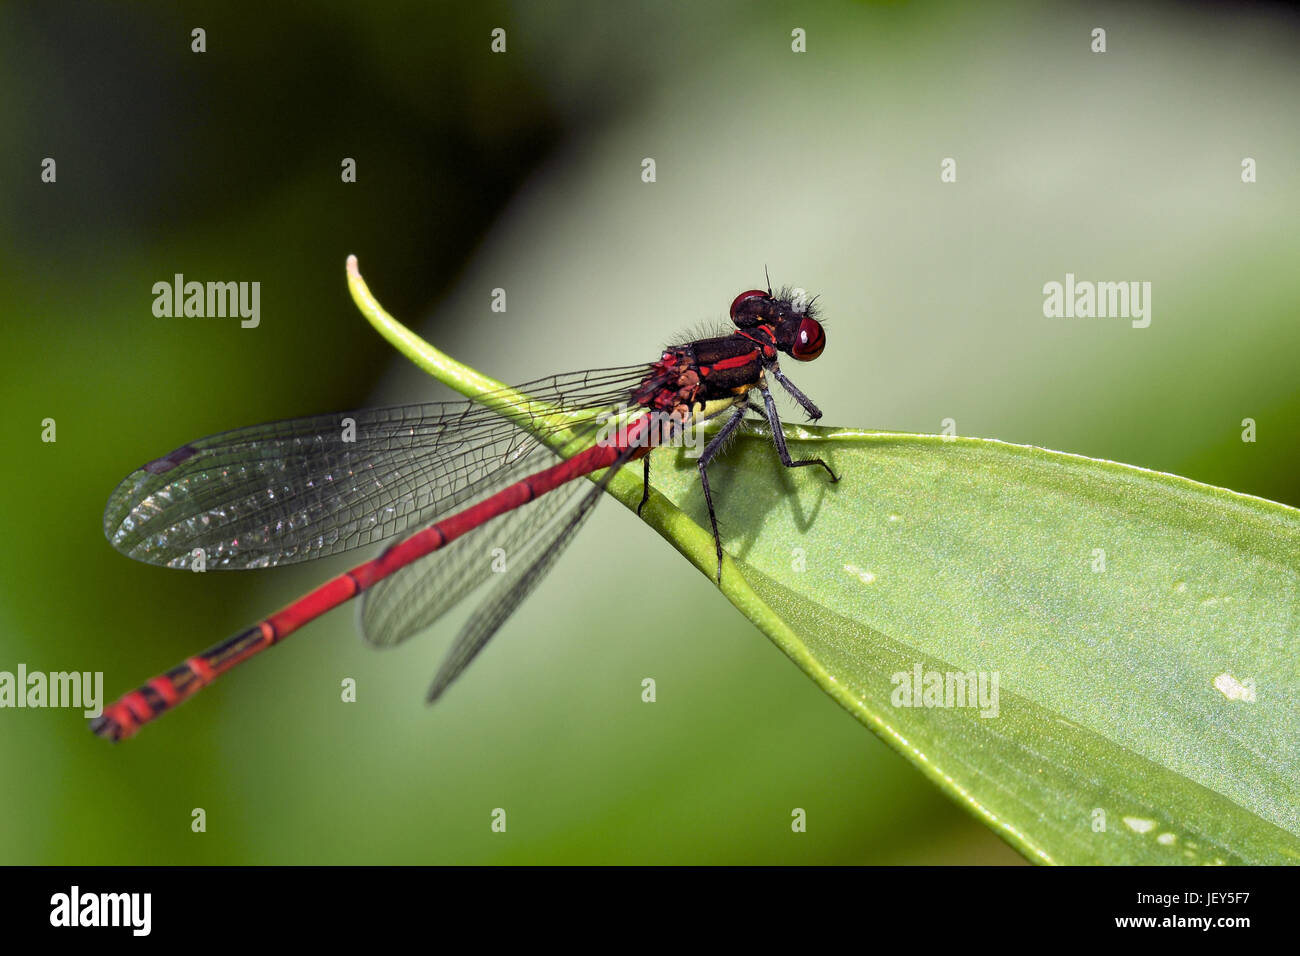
(1142, 627)
(1124, 691)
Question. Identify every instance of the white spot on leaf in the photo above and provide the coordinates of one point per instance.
(863, 575)
(1234, 689)
(1139, 825)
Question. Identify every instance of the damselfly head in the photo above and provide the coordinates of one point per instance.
(790, 316)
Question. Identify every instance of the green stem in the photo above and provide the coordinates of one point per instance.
(532, 416)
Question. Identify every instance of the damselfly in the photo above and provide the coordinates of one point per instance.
(302, 489)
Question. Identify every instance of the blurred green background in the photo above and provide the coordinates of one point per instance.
(522, 171)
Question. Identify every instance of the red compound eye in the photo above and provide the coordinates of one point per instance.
(809, 341)
(739, 301)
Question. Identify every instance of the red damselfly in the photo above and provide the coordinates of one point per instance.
(302, 489)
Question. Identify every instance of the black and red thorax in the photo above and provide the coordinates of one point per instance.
(691, 377)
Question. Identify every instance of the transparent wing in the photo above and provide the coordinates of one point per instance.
(412, 599)
(515, 585)
(305, 488)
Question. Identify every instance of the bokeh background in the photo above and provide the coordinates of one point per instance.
(523, 171)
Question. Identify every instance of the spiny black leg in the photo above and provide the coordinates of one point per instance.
(778, 438)
(711, 449)
(645, 484)
(813, 411)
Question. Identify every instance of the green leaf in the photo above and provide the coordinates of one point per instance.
(1120, 690)
(1142, 627)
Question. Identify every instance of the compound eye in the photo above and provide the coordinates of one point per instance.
(738, 304)
(809, 341)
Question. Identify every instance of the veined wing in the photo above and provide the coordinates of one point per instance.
(305, 488)
(404, 604)
(508, 593)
